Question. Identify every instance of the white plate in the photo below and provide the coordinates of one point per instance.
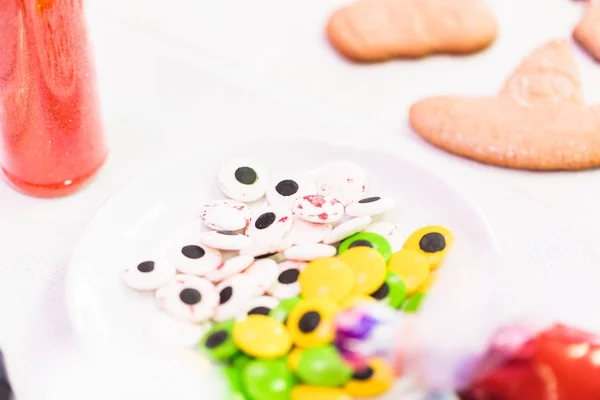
(108, 315)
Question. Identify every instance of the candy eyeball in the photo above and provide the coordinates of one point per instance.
(367, 239)
(370, 206)
(376, 378)
(189, 298)
(262, 305)
(304, 232)
(233, 266)
(309, 252)
(218, 342)
(264, 272)
(190, 256)
(284, 190)
(287, 284)
(432, 241)
(225, 240)
(148, 274)
(347, 228)
(344, 181)
(392, 291)
(225, 215)
(270, 223)
(318, 209)
(311, 322)
(243, 180)
(234, 295)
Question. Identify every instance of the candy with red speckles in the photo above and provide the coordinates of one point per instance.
(270, 223)
(284, 190)
(346, 229)
(189, 298)
(344, 181)
(264, 272)
(225, 215)
(243, 180)
(319, 209)
(149, 274)
(304, 232)
(234, 295)
(230, 267)
(309, 252)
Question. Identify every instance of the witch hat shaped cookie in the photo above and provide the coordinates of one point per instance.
(375, 30)
(537, 121)
(587, 31)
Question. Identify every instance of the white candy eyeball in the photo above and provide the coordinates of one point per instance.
(370, 206)
(243, 180)
(318, 209)
(272, 222)
(264, 273)
(287, 284)
(263, 249)
(260, 305)
(284, 190)
(389, 231)
(347, 228)
(189, 298)
(149, 274)
(190, 256)
(344, 181)
(309, 252)
(225, 215)
(225, 240)
(234, 296)
(304, 232)
(230, 267)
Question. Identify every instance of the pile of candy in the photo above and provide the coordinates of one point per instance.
(269, 281)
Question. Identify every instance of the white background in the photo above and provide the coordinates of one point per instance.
(173, 73)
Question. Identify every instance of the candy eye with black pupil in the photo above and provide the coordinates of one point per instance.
(235, 293)
(192, 251)
(225, 215)
(363, 374)
(265, 220)
(225, 240)
(216, 339)
(382, 292)
(432, 241)
(287, 283)
(369, 200)
(392, 292)
(267, 230)
(225, 294)
(367, 239)
(259, 311)
(289, 276)
(261, 305)
(284, 190)
(189, 255)
(358, 243)
(149, 274)
(243, 180)
(311, 322)
(371, 381)
(218, 342)
(370, 206)
(287, 187)
(189, 298)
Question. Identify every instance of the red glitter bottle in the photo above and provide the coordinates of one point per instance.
(52, 137)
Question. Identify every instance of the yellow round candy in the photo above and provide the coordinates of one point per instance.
(373, 381)
(411, 266)
(369, 268)
(262, 337)
(432, 241)
(311, 322)
(355, 299)
(293, 359)
(306, 392)
(326, 277)
(426, 285)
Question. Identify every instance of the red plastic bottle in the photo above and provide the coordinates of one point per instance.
(52, 137)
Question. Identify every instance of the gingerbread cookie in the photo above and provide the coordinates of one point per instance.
(538, 121)
(375, 30)
(587, 31)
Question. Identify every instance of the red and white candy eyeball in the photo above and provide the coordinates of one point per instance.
(304, 232)
(264, 273)
(189, 298)
(259, 306)
(190, 256)
(234, 295)
(287, 284)
(344, 181)
(285, 189)
(370, 206)
(225, 215)
(149, 274)
(318, 209)
(272, 222)
(243, 180)
(233, 266)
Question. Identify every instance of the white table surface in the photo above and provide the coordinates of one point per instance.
(175, 74)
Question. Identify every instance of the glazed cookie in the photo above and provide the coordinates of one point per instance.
(587, 31)
(375, 30)
(536, 122)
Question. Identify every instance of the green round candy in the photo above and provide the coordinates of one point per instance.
(368, 239)
(218, 342)
(234, 378)
(392, 292)
(413, 303)
(323, 366)
(268, 379)
(283, 309)
(240, 361)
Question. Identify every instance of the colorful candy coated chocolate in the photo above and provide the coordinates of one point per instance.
(327, 277)
(429, 282)
(268, 380)
(413, 303)
(218, 342)
(293, 359)
(369, 268)
(307, 392)
(367, 239)
(311, 322)
(281, 312)
(323, 366)
(392, 292)
(240, 361)
(262, 337)
(373, 380)
(236, 387)
(432, 241)
(411, 266)
(355, 299)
